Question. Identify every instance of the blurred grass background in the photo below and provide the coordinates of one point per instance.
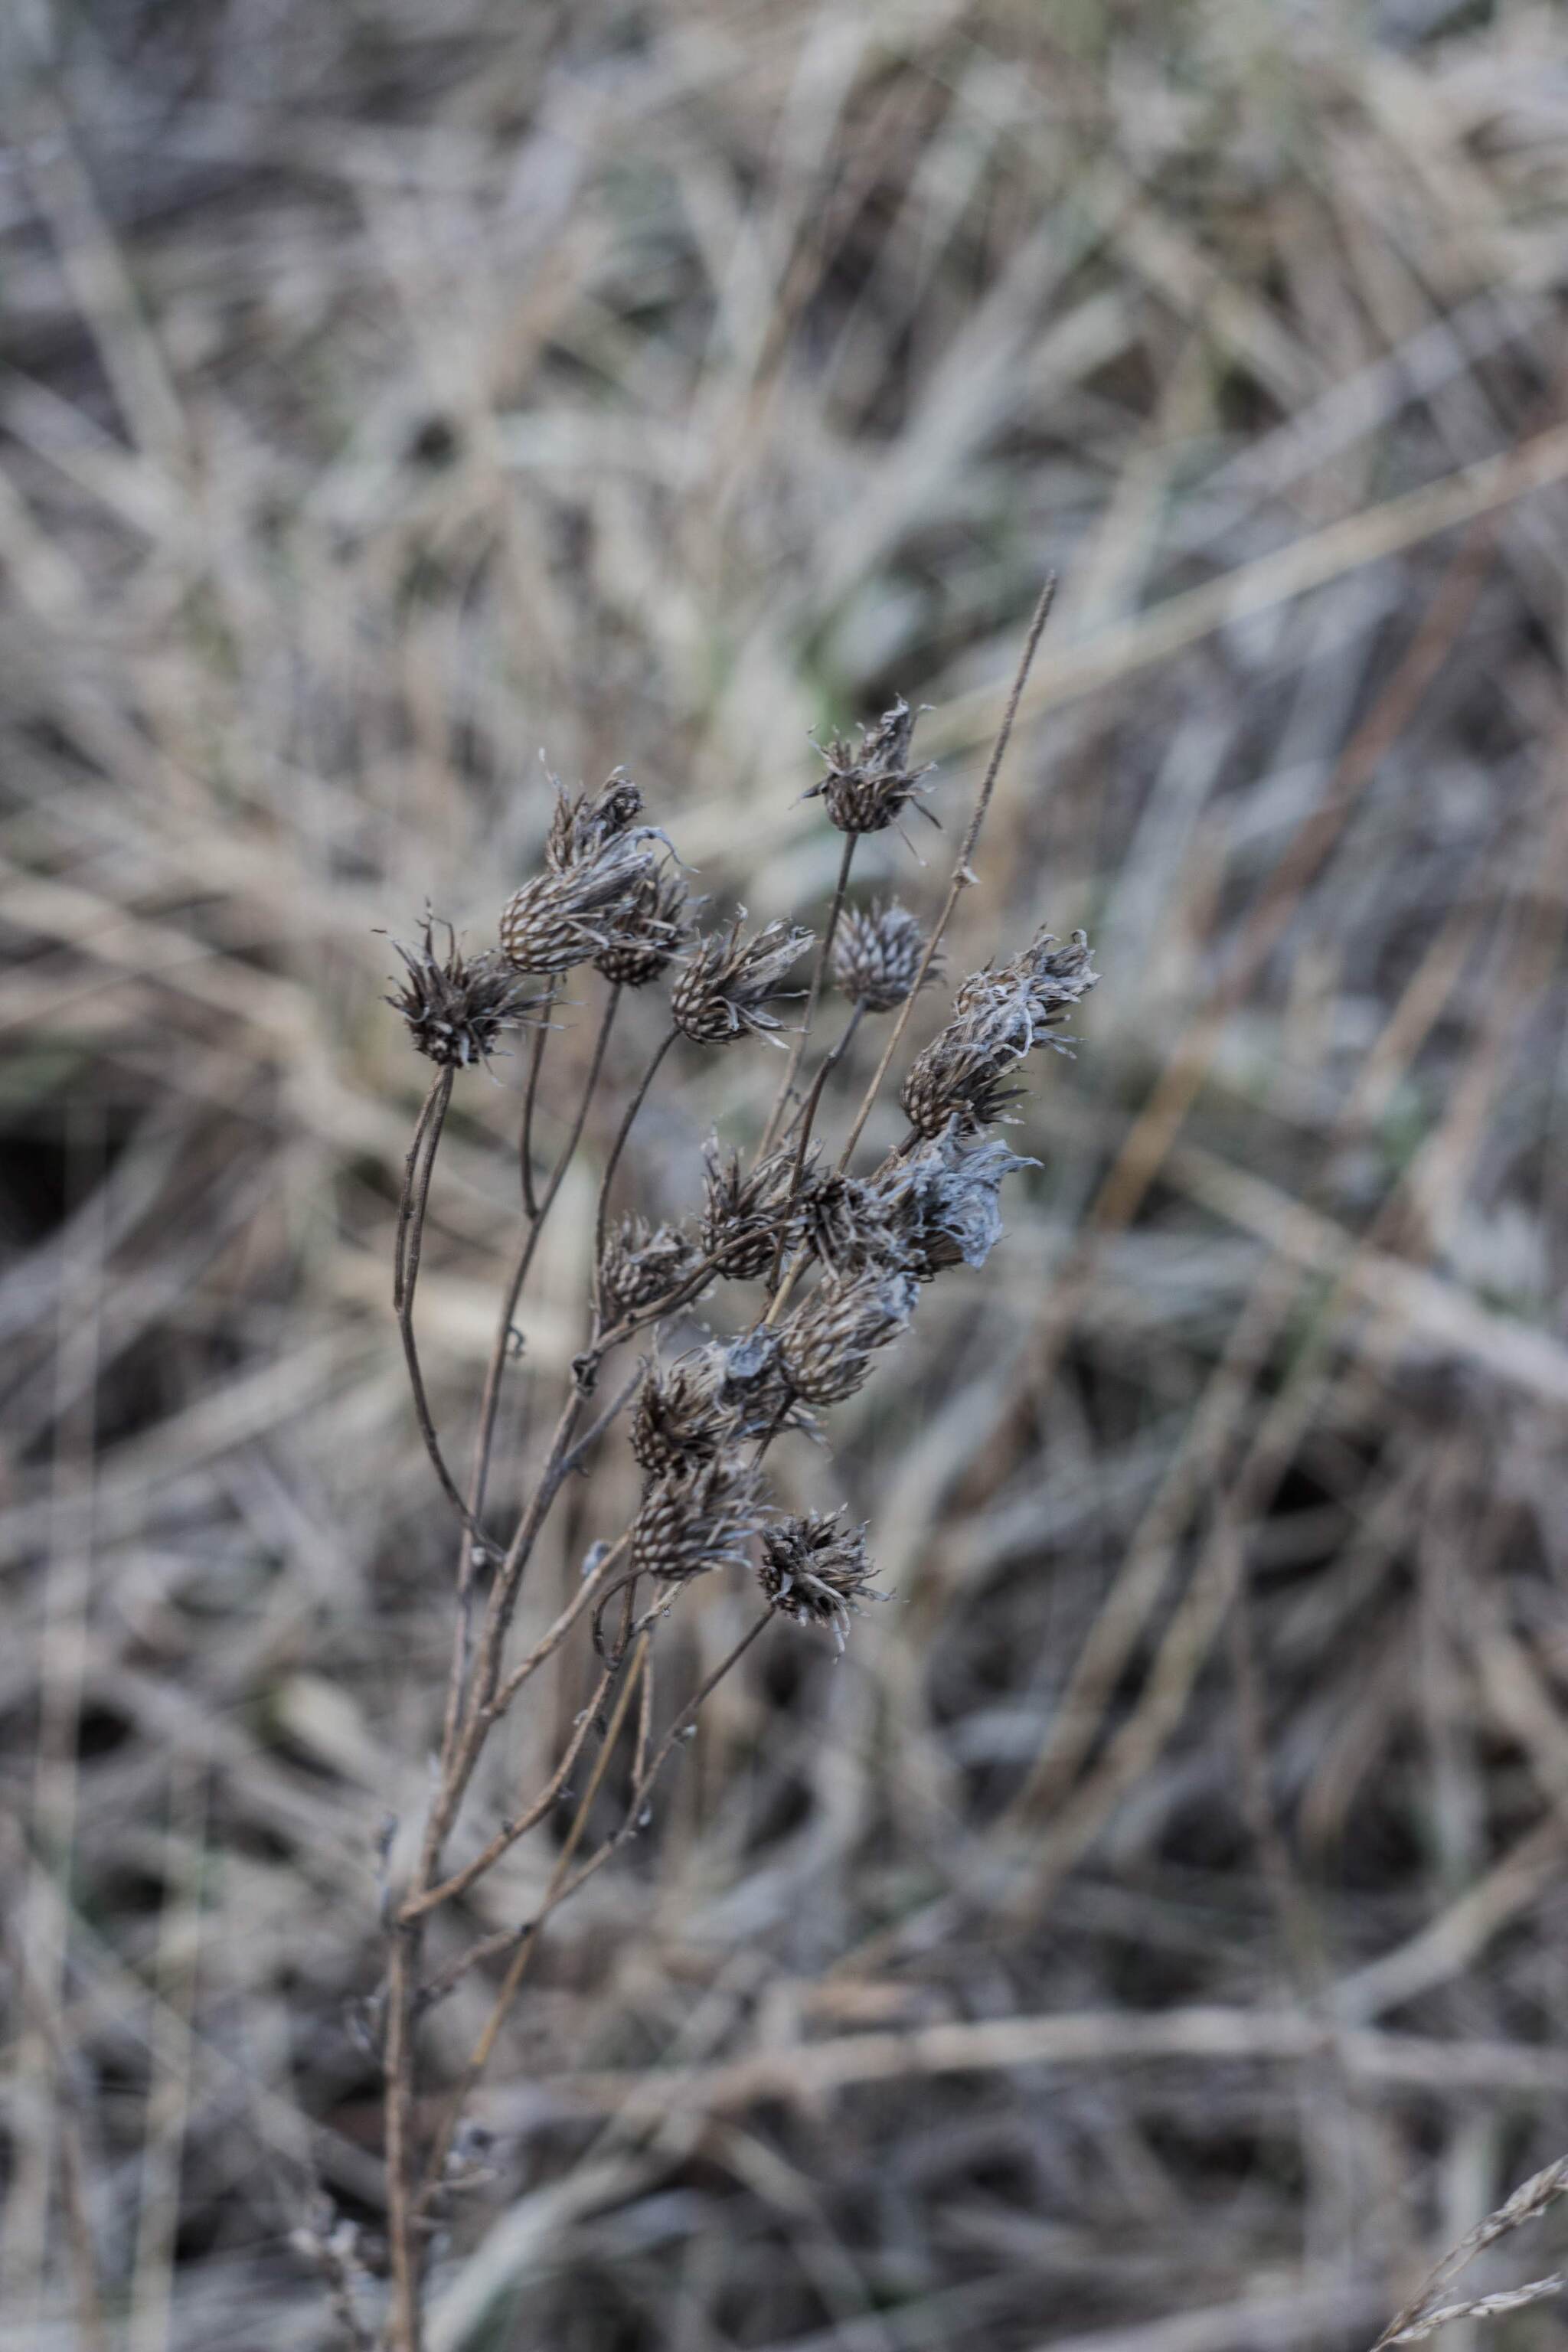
(1150, 1938)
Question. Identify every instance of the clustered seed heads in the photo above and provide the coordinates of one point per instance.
(815, 1571)
(641, 1265)
(585, 822)
(456, 1010)
(876, 955)
(868, 790)
(998, 1017)
(728, 982)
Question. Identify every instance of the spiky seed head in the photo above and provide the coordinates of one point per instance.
(679, 1416)
(641, 1265)
(961, 1073)
(868, 790)
(826, 1343)
(583, 824)
(655, 927)
(843, 1220)
(744, 1215)
(567, 916)
(817, 1571)
(456, 1009)
(696, 1517)
(877, 954)
(755, 1389)
(727, 983)
(940, 1206)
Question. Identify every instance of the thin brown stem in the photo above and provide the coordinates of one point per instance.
(614, 1161)
(479, 2056)
(407, 1250)
(962, 874)
(818, 973)
(529, 1096)
(490, 1400)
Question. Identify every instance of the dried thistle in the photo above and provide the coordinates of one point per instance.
(844, 1221)
(998, 1017)
(826, 1343)
(654, 927)
(744, 1214)
(455, 1009)
(941, 1205)
(755, 1390)
(696, 1517)
(866, 791)
(727, 983)
(816, 1572)
(569, 914)
(641, 1265)
(580, 827)
(876, 955)
(679, 1417)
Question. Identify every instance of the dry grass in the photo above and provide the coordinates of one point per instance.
(1150, 1937)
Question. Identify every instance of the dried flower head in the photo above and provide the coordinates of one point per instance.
(815, 1571)
(744, 1214)
(998, 1015)
(755, 1389)
(653, 928)
(582, 826)
(695, 1517)
(941, 1205)
(865, 791)
(727, 983)
(456, 1010)
(826, 1343)
(680, 1416)
(570, 914)
(877, 954)
(641, 1265)
(844, 1221)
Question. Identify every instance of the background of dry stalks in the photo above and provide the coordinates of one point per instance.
(1151, 1937)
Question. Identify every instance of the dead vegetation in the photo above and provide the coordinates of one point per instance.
(1149, 1937)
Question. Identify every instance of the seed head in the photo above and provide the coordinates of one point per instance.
(998, 1015)
(582, 826)
(726, 982)
(844, 1221)
(641, 1265)
(654, 927)
(826, 1344)
(679, 1419)
(571, 913)
(743, 1215)
(456, 1010)
(940, 1205)
(866, 791)
(695, 1517)
(816, 1572)
(755, 1389)
(877, 954)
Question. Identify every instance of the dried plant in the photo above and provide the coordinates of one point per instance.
(840, 1257)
